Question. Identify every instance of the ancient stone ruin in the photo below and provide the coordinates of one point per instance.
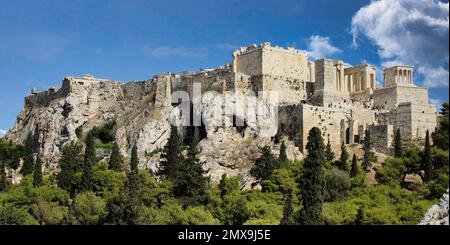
(342, 101)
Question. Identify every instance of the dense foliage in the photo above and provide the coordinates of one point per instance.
(88, 192)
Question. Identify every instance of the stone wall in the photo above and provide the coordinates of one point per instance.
(389, 98)
(338, 122)
(329, 84)
(382, 137)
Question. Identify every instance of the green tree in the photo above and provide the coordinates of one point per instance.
(116, 159)
(329, 154)
(132, 191)
(265, 164)
(171, 157)
(360, 216)
(282, 158)
(344, 157)
(228, 185)
(28, 156)
(288, 211)
(2, 176)
(69, 166)
(427, 159)
(354, 169)
(398, 144)
(368, 156)
(312, 181)
(37, 172)
(337, 184)
(191, 184)
(440, 136)
(88, 209)
(89, 160)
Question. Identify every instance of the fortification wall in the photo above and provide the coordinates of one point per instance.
(382, 137)
(390, 97)
(338, 122)
(287, 63)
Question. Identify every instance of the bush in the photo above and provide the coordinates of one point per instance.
(105, 133)
(435, 188)
(89, 209)
(79, 132)
(392, 172)
(337, 184)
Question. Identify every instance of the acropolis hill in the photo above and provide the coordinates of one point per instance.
(341, 100)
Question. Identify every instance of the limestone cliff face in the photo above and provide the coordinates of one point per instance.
(142, 111)
(438, 214)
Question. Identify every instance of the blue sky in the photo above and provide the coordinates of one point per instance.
(41, 42)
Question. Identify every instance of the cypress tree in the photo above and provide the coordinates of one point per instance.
(369, 156)
(329, 154)
(282, 158)
(191, 184)
(427, 161)
(2, 176)
(28, 156)
(69, 165)
(171, 157)
(116, 159)
(354, 169)
(37, 172)
(312, 181)
(89, 161)
(360, 216)
(265, 164)
(398, 144)
(288, 211)
(132, 190)
(344, 157)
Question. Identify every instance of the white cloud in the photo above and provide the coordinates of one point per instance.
(163, 52)
(321, 47)
(408, 32)
(2, 132)
(437, 103)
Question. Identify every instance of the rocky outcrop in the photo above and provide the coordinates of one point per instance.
(438, 214)
(143, 113)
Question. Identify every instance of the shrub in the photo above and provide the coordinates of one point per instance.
(337, 184)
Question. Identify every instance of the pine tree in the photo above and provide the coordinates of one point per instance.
(398, 144)
(69, 165)
(265, 164)
(344, 157)
(37, 172)
(191, 184)
(116, 159)
(89, 161)
(288, 211)
(354, 169)
(28, 156)
(312, 181)
(427, 161)
(171, 158)
(2, 176)
(329, 154)
(369, 156)
(282, 158)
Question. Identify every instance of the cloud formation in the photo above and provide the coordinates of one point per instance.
(321, 47)
(163, 52)
(412, 32)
